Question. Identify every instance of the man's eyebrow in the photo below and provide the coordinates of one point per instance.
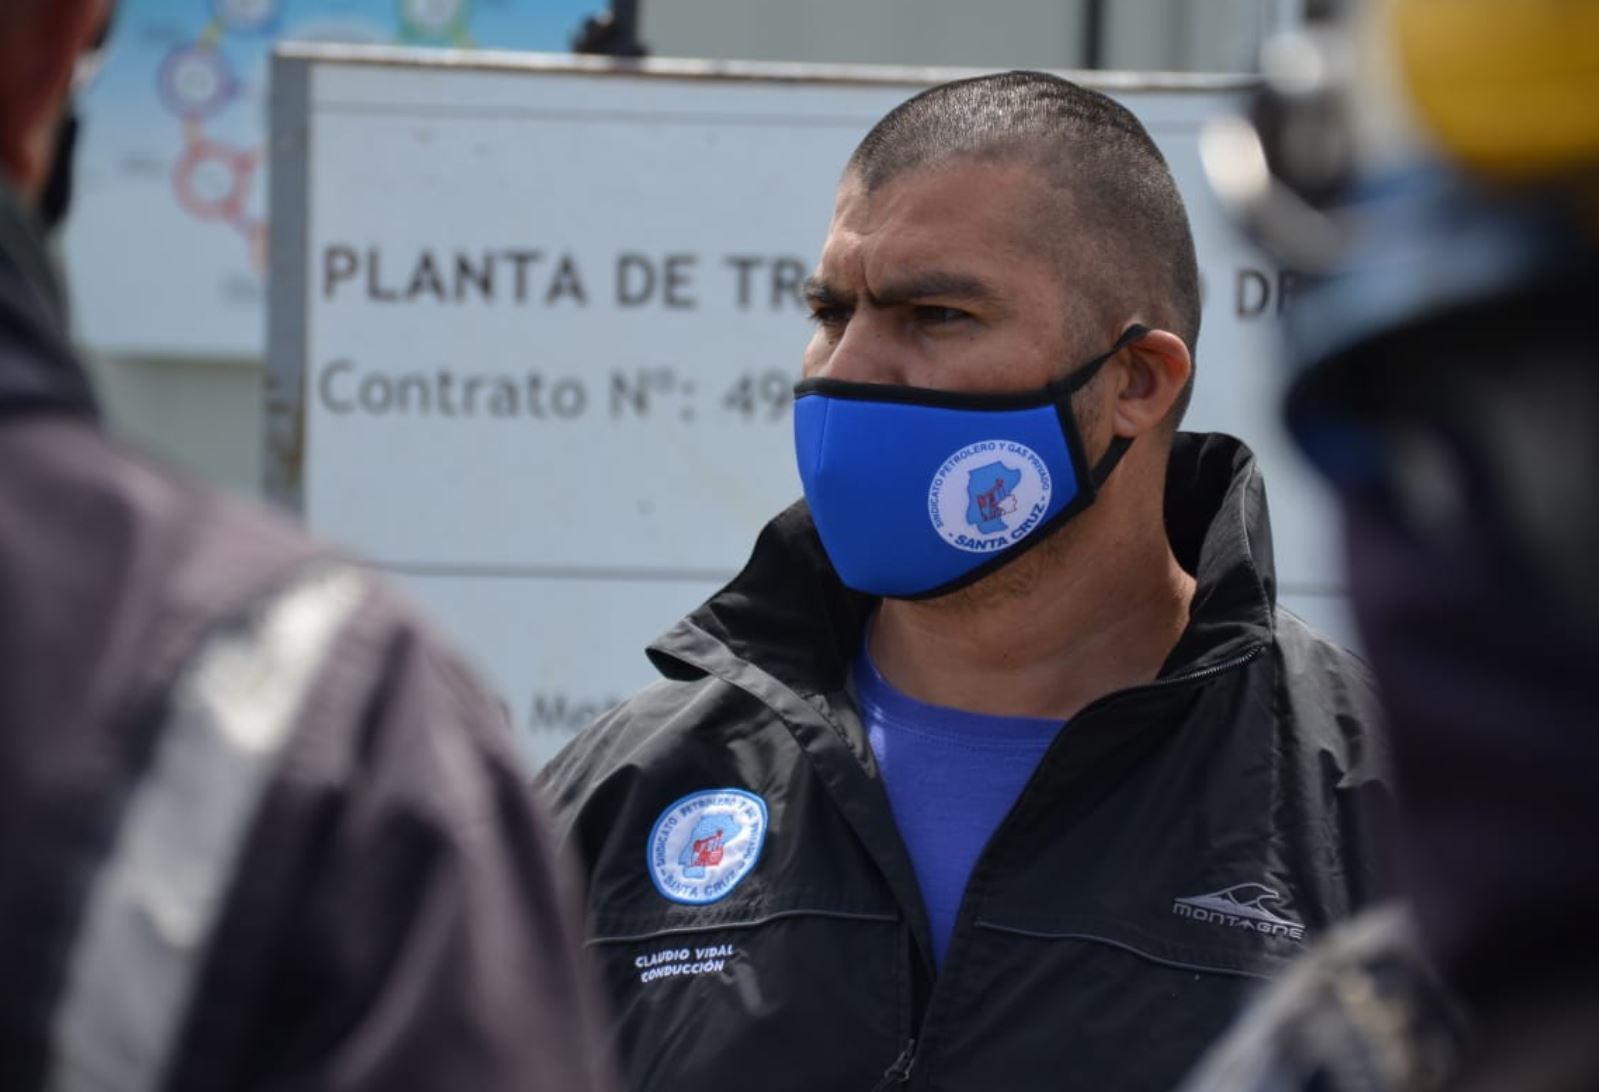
(818, 291)
(936, 284)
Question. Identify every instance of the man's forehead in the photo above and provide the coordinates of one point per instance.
(998, 189)
(960, 216)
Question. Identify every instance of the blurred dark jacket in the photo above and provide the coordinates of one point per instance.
(1363, 1011)
(259, 829)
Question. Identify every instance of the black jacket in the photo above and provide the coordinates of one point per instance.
(1248, 773)
(259, 828)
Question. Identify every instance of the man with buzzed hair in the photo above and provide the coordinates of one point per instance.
(1019, 775)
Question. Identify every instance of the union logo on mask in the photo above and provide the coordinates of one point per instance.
(989, 495)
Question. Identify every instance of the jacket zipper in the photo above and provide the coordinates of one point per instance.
(900, 1071)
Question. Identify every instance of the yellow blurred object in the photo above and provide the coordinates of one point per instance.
(1509, 87)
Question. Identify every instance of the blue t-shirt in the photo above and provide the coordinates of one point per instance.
(951, 777)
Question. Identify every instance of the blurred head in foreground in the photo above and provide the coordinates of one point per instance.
(1447, 357)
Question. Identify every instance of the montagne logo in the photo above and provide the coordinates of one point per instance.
(1241, 906)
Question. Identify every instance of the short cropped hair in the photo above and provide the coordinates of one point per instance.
(1126, 240)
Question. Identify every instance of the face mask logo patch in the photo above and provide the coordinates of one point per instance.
(989, 495)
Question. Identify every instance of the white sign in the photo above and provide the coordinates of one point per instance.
(542, 320)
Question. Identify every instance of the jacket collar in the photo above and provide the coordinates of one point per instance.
(39, 371)
(788, 614)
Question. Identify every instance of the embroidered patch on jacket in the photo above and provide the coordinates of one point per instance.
(1241, 906)
(704, 845)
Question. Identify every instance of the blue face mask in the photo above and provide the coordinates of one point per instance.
(918, 492)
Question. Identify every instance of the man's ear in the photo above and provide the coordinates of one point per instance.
(40, 43)
(1152, 372)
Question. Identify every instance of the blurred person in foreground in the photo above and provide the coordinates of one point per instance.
(998, 767)
(1449, 389)
(258, 828)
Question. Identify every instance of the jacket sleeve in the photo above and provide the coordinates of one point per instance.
(435, 940)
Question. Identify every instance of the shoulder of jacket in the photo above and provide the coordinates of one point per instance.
(206, 549)
(658, 730)
(1320, 671)
(1306, 649)
(1329, 695)
(389, 689)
